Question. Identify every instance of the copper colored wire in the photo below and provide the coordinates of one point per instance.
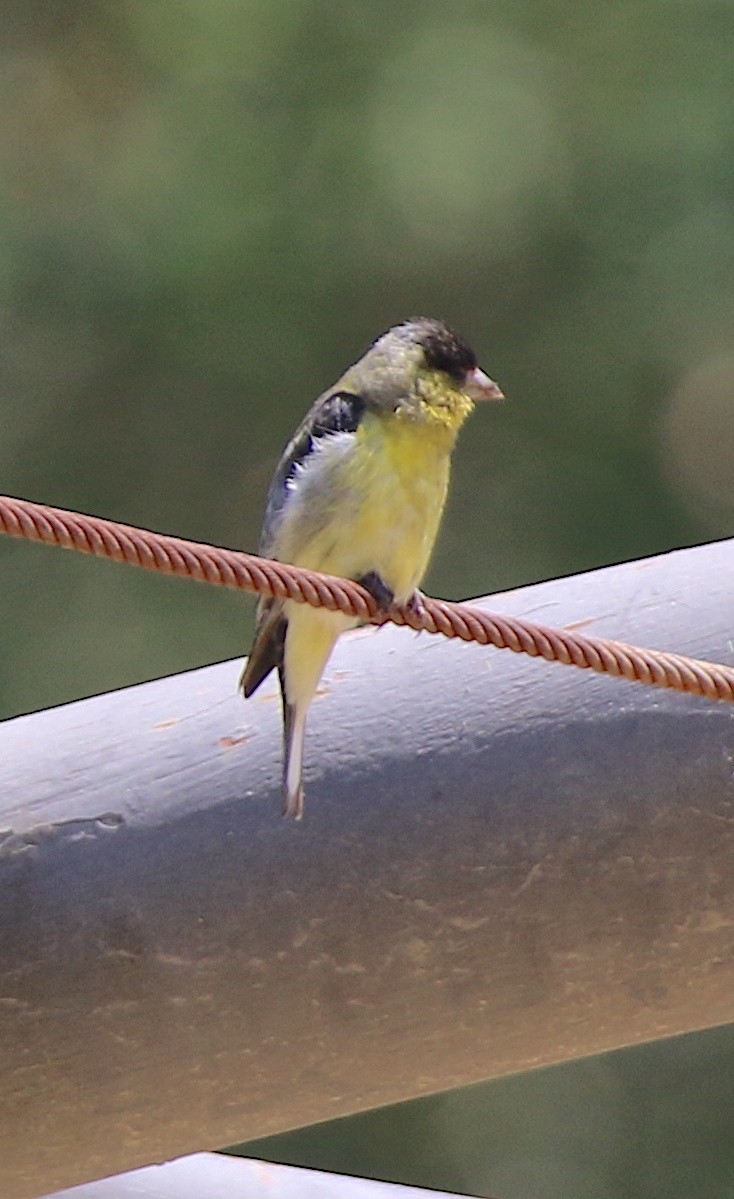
(246, 572)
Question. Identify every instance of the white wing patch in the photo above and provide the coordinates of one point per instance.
(320, 491)
(327, 456)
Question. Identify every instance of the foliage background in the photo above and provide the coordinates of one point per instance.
(209, 207)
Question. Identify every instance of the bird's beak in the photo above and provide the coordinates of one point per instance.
(480, 387)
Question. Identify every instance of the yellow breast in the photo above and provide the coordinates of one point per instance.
(373, 501)
(404, 476)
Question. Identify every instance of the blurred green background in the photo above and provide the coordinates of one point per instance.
(648, 1123)
(210, 207)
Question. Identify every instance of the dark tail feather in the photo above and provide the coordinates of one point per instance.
(294, 724)
(267, 650)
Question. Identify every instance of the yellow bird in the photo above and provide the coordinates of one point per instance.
(359, 492)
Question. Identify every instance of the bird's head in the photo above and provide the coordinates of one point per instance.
(422, 370)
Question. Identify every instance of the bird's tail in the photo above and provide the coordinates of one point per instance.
(294, 729)
(309, 639)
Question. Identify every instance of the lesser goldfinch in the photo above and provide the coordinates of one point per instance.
(359, 492)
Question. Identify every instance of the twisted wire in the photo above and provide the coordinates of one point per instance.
(247, 572)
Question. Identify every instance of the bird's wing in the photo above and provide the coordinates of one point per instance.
(267, 648)
(334, 413)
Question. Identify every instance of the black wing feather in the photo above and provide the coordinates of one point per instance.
(266, 653)
(338, 412)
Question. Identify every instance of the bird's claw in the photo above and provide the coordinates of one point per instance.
(416, 604)
(383, 595)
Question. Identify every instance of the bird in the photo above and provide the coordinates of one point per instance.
(359, 492)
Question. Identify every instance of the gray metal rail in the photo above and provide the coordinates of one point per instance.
(504, 863)
(214, 1176)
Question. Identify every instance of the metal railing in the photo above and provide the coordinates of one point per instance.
(502, 865)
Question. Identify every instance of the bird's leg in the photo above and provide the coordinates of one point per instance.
(383, 595)
(416, 604)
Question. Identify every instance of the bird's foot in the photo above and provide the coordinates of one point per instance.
(417, 604)
(383, 595)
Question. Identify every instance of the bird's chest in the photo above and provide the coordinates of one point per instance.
(401, 497)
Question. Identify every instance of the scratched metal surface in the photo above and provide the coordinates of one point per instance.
(504, 863)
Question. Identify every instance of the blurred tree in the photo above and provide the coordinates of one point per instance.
(210, 208)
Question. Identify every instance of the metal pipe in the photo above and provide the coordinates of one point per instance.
(504, 863)
(213, 1175)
